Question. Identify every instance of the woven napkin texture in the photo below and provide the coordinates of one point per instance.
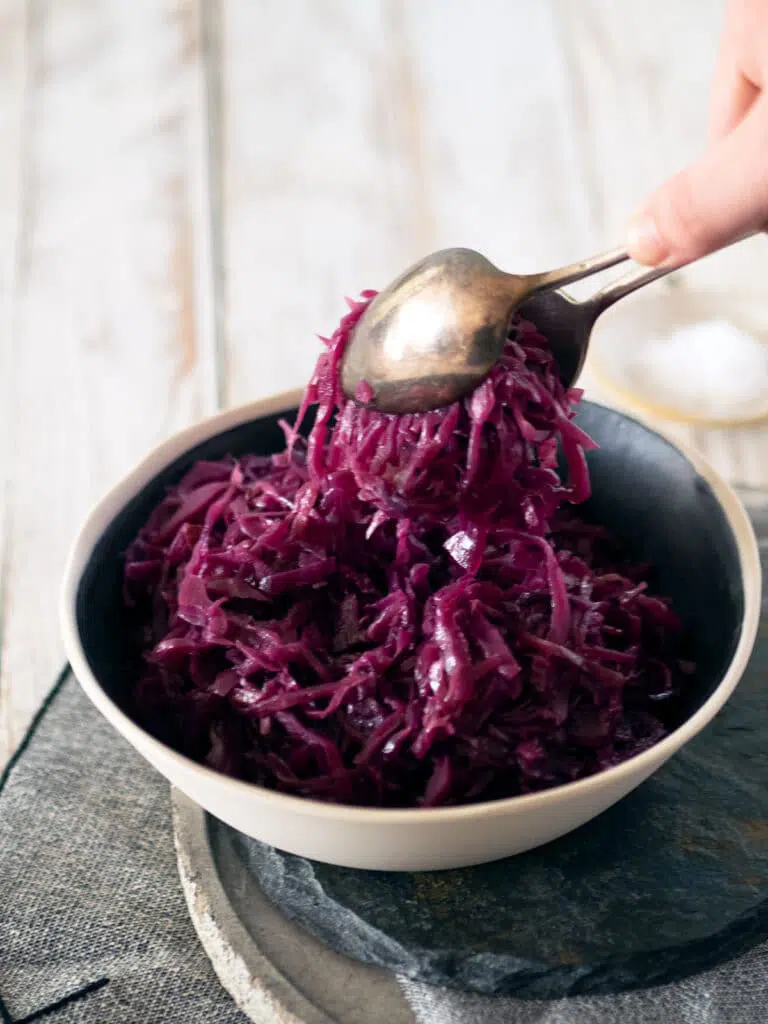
(94, 928)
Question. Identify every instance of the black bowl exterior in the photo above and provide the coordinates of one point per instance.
(644, 490)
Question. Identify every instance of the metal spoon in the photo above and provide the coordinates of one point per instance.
(435, 332)
(567, 323)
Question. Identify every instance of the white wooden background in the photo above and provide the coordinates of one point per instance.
(188, 189)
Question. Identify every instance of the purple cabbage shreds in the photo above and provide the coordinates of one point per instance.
(401, 611)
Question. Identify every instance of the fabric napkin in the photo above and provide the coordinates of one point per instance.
(94, 928)
(92, 916)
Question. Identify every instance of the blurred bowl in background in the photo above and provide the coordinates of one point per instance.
(684, 355)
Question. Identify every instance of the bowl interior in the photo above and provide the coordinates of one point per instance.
(644, 490)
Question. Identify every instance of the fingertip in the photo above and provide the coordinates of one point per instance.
(645, 243)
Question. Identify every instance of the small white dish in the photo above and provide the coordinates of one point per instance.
(650, 353)
(682, 514)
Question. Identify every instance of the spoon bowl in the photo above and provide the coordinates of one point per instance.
(434, 333)
(432, 336)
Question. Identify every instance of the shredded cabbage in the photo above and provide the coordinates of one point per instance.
(402, 611)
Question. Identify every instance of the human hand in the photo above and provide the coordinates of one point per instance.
(724, 195)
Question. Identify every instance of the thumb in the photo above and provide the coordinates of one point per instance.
(710, 204)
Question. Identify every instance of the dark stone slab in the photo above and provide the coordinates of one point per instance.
(670, 881)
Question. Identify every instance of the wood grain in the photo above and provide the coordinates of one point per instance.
(102, 335)
(189, 187)
(13, 94)
(317, 181)
(365, 135)
(639, 80)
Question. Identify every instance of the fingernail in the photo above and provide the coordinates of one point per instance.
(644, 242)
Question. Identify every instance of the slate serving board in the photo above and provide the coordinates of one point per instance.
(670, 881)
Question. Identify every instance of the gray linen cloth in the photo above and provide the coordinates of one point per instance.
(94, 928)
(90, 900)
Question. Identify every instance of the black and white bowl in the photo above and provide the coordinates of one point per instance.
(666, 503)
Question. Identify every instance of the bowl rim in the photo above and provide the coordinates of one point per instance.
(159, 458)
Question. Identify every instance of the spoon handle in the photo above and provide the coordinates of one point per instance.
(575, 271)
(616, 290)
(637, 278)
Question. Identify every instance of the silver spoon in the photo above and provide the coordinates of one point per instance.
(567, 323)
(434, 333)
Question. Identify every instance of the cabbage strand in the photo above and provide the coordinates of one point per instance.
(402, 610)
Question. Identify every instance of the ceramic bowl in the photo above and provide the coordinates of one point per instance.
(666, 503)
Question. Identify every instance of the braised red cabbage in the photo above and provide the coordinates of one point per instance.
(402, 611)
